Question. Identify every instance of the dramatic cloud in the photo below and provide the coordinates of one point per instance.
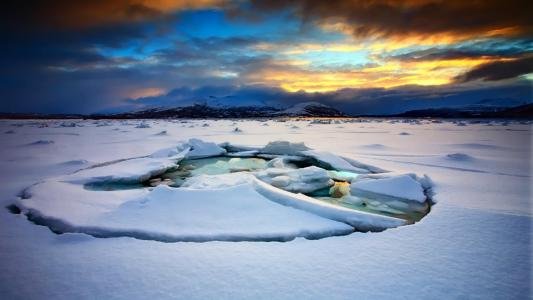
(499, 70)
(87, 56)
(393, 18)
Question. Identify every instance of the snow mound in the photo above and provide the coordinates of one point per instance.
(67, 124)
(143, 125)
(476, 146)
(42, 142)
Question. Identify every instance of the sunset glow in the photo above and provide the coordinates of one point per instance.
(143, 50)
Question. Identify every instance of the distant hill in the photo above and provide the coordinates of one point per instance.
(306, 109)
(520, 112)
(196, 111)
(311, 109)
(28, 116)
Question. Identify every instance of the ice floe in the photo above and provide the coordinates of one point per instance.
(203, 191)
(304, 180)
(401, 187)
(284, 148)
(200, 149)
(335, 161)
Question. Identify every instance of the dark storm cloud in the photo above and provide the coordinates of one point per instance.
(401, 99)
(46, 68)
(66, 73)
(90, 90)
(387, 17)
(225, 95)
(42, 49)
(81, 14)
(499, 70)
(50, 71)
(40, 34)
(195, 49)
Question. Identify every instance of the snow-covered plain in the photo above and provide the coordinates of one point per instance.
(474, 244)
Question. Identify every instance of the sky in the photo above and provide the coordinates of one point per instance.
(361, 56)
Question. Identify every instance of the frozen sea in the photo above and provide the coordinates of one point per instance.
(474, 244)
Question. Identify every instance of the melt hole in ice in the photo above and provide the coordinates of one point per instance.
(333, 186)
(200, 191)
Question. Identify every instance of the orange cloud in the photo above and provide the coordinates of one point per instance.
(386, 75)
(380, 43)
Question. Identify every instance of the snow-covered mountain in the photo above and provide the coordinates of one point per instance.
(221, 101)
(306, 109)
(312, 109)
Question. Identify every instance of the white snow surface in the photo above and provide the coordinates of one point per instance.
(474, 244)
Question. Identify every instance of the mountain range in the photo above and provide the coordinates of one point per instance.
(305, 109)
